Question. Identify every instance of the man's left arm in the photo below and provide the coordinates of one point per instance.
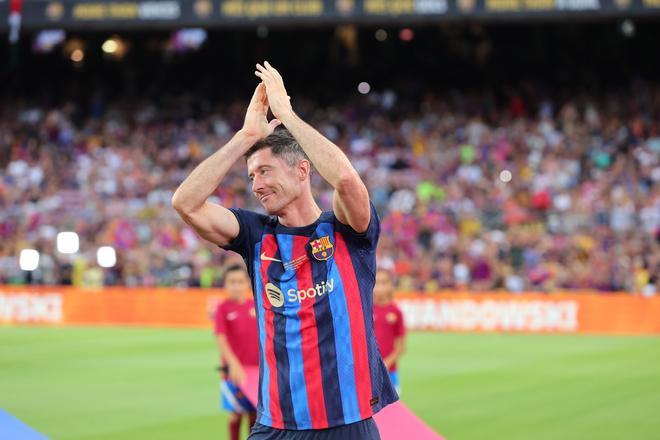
(351, 198)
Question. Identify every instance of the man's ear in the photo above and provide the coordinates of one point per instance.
(304, 169)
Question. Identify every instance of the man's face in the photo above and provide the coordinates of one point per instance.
(237, 284)
(384, 287)
(274, 182)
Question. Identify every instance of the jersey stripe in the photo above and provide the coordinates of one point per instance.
(309, 335)
(276, 274)
(377, 366)
(283, 376)
(269, 248)
(358, 333)
(297, 386)
(264, 371)
(343, 340)
(327, 349)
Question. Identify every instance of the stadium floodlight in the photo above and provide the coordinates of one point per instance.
(77, 55)
(364, 87)
(628, 28)
(115, 47)
(68, 242)
(106, 256)
(74, 49)
(46, 40)
(188, 39)
(29, 259)
(406, 34)
(110, 46)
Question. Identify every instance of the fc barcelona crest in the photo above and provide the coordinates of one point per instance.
(322, 248)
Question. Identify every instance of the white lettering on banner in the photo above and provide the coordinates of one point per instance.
(490, 315)
(30, 308)
(159, 10)
(430, 6)
(578, 5)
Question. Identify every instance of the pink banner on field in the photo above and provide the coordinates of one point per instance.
(395, 422)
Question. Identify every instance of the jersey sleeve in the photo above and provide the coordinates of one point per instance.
(367, 239)
(220, 321)
(251, 226)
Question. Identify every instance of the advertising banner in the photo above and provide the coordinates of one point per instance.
(581, 312)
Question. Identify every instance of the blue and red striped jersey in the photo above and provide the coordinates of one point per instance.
(319, 360)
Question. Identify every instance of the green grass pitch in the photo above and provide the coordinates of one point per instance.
(129, 383)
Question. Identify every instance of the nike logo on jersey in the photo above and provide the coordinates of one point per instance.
(264, 257)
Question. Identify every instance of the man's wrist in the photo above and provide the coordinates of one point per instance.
(246, 139)
(286, 117)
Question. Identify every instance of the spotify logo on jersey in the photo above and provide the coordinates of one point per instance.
(275, 295)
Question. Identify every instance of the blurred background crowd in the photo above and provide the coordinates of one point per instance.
(520, 188)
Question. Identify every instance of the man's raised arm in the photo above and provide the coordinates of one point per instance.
(212, 221)
(351, 198)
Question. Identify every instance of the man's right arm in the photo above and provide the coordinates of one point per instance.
(213, 222)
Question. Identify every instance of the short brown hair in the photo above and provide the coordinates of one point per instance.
(235, 268)
(282, 144)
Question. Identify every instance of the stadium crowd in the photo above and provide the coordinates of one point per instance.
(533, 193)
